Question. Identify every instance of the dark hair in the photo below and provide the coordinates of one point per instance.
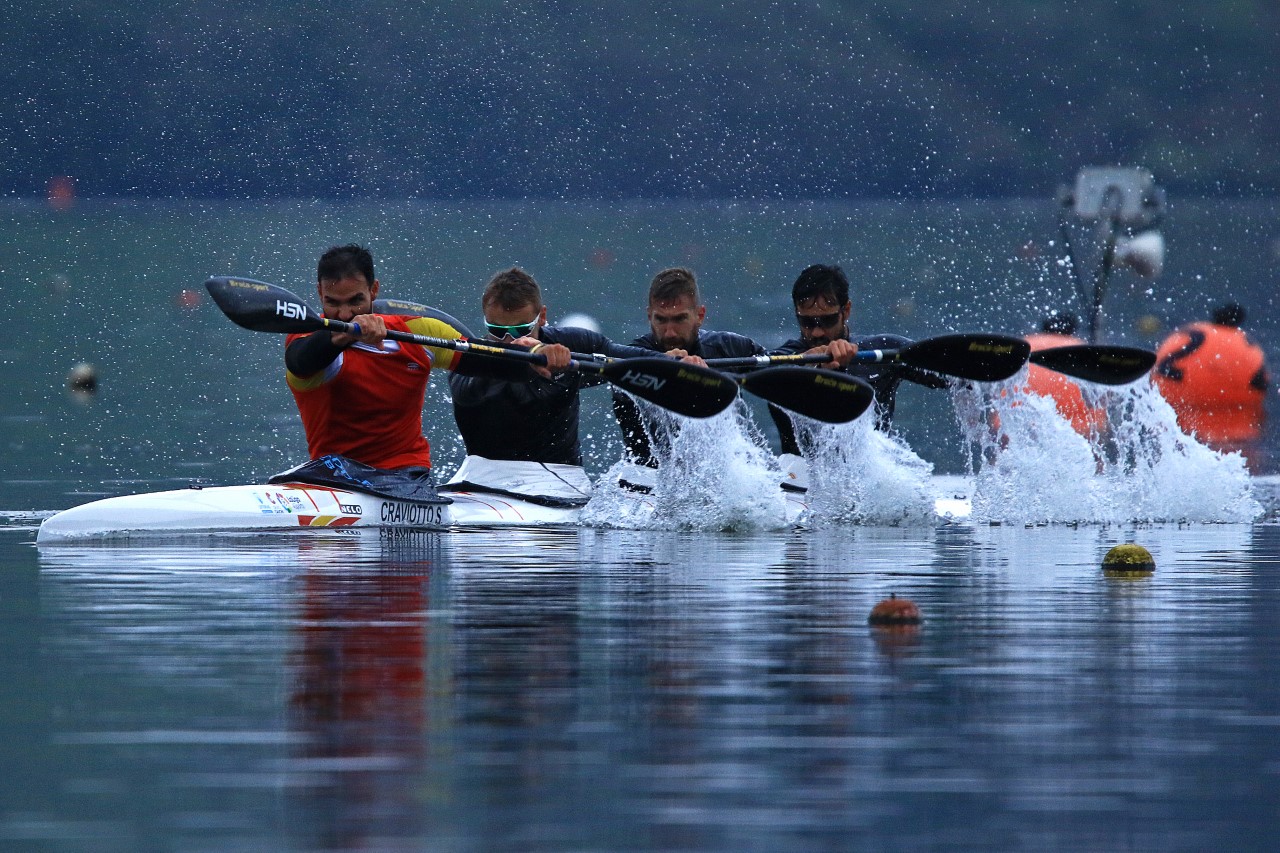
(1231, 314)
(1060, 323)
(821, 280)
(510, 289)
(672, 283)
(340, 262)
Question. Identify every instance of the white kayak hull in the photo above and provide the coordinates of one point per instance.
(289, 506)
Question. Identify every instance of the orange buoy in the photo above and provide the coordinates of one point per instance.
(895, 611)
(1085, 419)
(1215, 378)
(61, 192)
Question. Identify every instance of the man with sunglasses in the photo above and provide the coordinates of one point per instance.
(821, 299)
(533, 418)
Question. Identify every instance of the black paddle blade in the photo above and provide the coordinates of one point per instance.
(979, 357)
(685, 389)
(1101, 363)
(262, 307)
(404, 308)
(823, 395)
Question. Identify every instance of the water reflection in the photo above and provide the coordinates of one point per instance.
(358, 681)
(594, 689)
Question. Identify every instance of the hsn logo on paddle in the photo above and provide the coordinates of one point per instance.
(291, 310)
(641, 380)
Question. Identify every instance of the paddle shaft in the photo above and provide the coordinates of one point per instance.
(818, 394)
(682, 388)
(1111, 365)
(580, 362)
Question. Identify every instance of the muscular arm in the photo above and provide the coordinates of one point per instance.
(312, 354)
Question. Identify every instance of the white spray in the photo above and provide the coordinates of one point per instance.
(858, 474)
(714, 474)
(1030, 466)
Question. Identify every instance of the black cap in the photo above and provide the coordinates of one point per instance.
(1231, 314)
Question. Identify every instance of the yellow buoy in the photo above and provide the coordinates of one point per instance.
(1128, 559)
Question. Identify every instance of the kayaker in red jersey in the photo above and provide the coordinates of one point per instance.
(1216, 380)
(361, 397)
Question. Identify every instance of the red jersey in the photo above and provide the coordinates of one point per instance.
(367, 404)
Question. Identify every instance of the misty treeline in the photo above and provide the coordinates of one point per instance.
(620, 100)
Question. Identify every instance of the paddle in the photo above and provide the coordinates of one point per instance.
(978, 357)
(1101, 363)
(415, 309)
(685, 389)
(822, 395)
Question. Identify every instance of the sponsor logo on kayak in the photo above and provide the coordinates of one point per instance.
(414, 515)
(351, 509)
(276, 503)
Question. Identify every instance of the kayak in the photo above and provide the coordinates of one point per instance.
(481, 493)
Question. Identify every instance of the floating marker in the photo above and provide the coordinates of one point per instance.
(895, 611)
(1128, 559)
(83, 377)
(62, 192)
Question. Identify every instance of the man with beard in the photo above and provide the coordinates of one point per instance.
(676, 313)
(821, 299)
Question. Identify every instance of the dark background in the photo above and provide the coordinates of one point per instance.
(280, 98)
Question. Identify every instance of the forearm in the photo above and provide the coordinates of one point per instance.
(309, 355)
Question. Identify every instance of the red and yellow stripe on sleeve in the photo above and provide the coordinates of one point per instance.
(430, 326)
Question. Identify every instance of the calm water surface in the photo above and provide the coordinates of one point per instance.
(613, 690)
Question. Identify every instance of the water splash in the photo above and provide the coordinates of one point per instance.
(1030, 466)
(860, 475)
(713, 474)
